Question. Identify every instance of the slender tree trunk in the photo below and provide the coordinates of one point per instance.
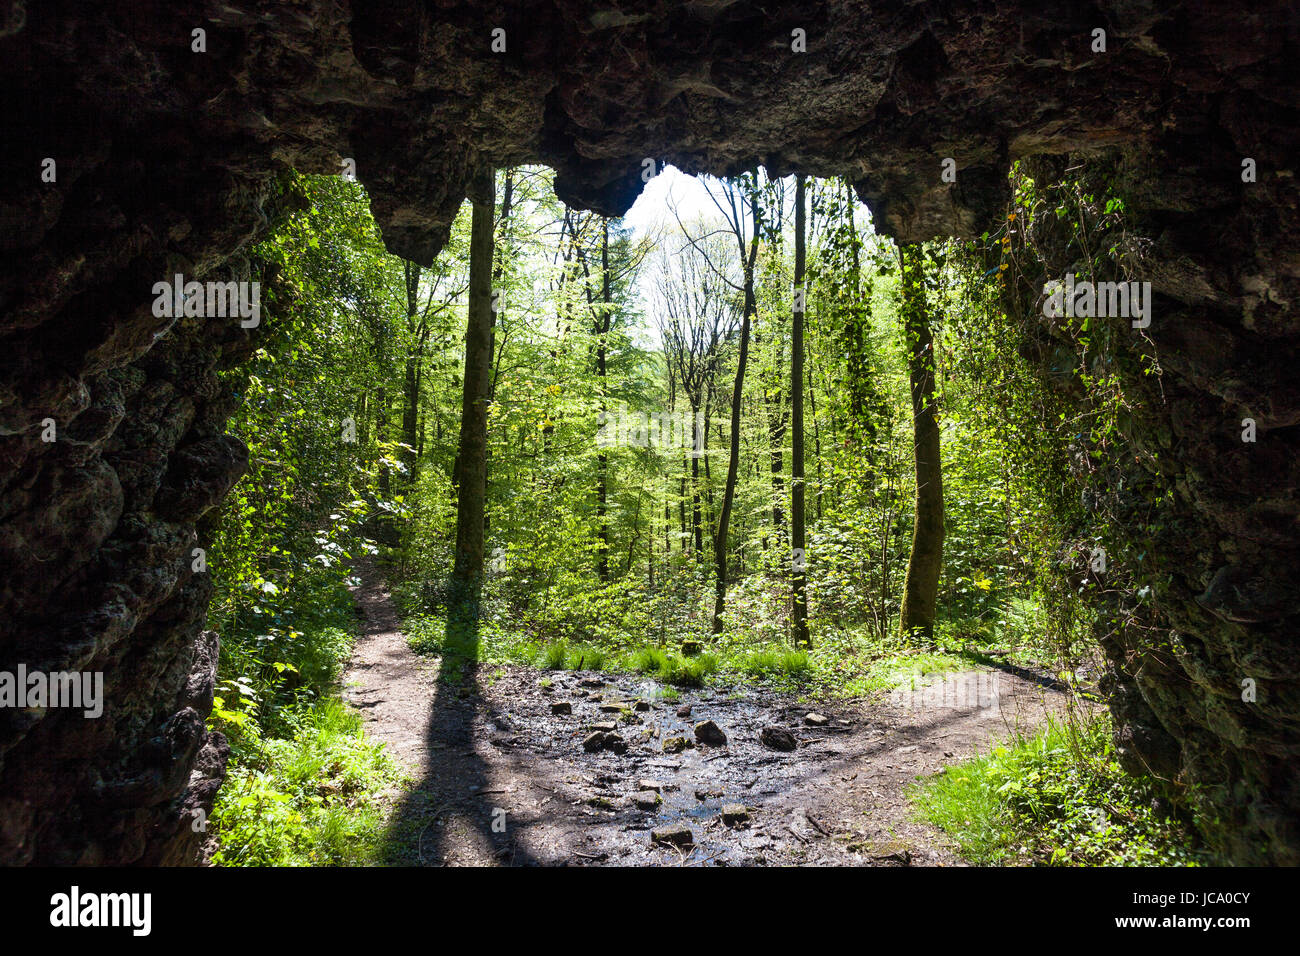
(704, 449)
(729, 493)
(776, 427)
(500, 255)
(799, 576)
(497, 288)
(737, 393)
(602, 460)
(817, 439)
(921, 591)
(411, 382)
(472, 457)
(381, 436)
(733, 466)
(681, 509)
(774, 406)
(695, 497)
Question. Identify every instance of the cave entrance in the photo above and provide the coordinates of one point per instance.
(146, 147)
(594, 634)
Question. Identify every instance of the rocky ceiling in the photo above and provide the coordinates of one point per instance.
(163, 156)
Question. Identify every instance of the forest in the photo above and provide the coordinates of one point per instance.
(734, 450)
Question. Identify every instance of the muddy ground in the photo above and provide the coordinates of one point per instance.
(505, 774)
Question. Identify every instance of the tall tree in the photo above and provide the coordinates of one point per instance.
(921, 590)
(471, 471)
(799, 575)
(735, 218)
(696, 317)
(604, 322)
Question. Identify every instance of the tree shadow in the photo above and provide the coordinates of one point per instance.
(453, 814)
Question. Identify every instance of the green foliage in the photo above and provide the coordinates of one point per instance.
(596, 557)
(303, 785)
(312, 799)
(672, 667)
(1057, 798)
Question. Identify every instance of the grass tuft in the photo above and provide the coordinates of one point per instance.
(1057, 798)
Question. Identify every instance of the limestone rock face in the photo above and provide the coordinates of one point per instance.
(162, 162)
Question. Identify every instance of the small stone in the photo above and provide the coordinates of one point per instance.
(654, 785)
(612, 707)
(684, 710)
(608, 726)
(778, 738)
(692, 648)
(710, 733)
(734, 814)
(641, 705)
(615, 743)
(708, 794)
(678, 834)
(647, 800)
(591, 682)
(813, 719)
(675, 745)
(561, 707)
(594, 742)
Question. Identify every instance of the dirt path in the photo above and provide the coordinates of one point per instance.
(502, 775)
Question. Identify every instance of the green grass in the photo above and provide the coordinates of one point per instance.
(909, 669)
(560, 655)
(622, 628)
(304, 787)
(672, 667)
(311, 800)
(773, 661)
(842, 663)
(1056, 798)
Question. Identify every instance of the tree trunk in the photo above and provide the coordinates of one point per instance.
(799, 575)
(695, 497)
(472, 456)
(497, 288)
(776, 426)
(729, 494)
(411, 383)
(921, 591)
(733, 466)
(602, 460)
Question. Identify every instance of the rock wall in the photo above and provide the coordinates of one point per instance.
(163, 154)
